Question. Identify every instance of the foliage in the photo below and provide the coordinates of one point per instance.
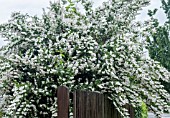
(99, 50)
(144, 110)
(141, 111)
(1, 114)
(159, 43)
(166, 7)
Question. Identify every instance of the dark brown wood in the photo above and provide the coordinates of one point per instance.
(93, 105)
(131, 111)
(88, 105)
(63, 102)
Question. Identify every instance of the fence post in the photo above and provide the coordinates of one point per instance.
(63, 102)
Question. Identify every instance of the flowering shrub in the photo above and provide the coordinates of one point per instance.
(142, 111)
(98, 50)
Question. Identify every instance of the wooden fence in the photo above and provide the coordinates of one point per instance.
(87, 105)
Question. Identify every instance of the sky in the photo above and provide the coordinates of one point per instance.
(34, 7)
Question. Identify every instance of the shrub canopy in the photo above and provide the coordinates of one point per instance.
(101, 49)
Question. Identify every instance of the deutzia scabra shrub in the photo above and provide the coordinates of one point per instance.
(101, 49)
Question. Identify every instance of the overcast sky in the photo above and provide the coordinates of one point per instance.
(34, 7)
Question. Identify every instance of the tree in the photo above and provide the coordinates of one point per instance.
(159, 42)
(98, 50)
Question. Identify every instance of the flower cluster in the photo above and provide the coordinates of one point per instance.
(98, 50)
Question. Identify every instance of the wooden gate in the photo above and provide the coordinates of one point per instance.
(87, 105)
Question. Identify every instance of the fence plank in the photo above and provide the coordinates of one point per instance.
(88, 105)
(63, 102)
(93, 105)
(131, 111)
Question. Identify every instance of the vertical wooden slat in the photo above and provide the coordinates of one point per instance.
(115, 115)
(95, 105)
(87, 105)
(131, 111)
(110, 111)
(63, 102)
